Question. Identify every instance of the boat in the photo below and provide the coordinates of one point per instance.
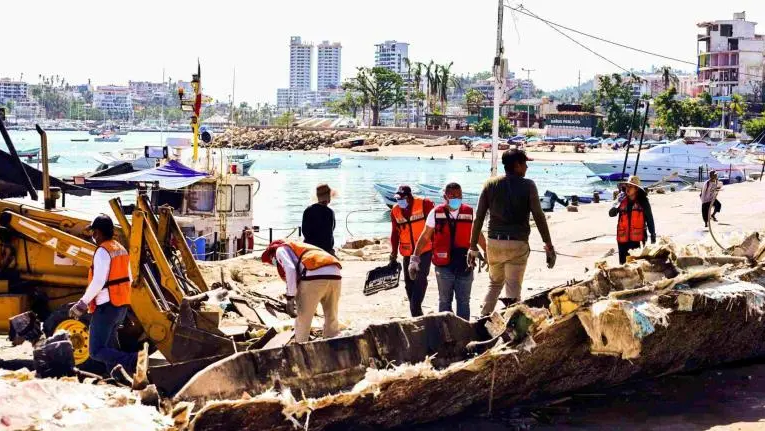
(107, 138)
(32, 152)
(658, 315)
(333, 163)
(683, 156)
(51, 159)
(95, 132)
(80, 139)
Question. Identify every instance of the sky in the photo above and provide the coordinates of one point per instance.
(113, 41)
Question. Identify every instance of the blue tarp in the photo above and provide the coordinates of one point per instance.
(172, 175)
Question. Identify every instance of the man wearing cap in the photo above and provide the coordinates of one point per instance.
(312, 276)
(408, 222)
(708, 197)
(509, 200)
(635, 216)
(319, 221)
(107, 297)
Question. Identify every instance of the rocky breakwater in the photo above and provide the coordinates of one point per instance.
(304, 139)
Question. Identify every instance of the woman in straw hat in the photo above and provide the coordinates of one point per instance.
(635, 216)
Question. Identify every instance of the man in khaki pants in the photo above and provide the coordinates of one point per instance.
(510, 200)
(312, 276)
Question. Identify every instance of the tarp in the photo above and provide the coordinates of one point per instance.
(172, 175)
(11, 185)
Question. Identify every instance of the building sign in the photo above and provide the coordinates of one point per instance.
(568, 121)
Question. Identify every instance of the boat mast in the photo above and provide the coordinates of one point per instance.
(162, 112)
(498, 81)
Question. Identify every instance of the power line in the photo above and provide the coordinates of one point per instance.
(525, 11)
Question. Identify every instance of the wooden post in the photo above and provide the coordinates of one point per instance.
(629, 137)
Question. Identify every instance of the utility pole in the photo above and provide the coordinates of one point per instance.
(499, 79)
(528, 95)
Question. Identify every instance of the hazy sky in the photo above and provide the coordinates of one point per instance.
(113, 41)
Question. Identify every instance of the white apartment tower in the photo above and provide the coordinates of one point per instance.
(731, 57)
(391, 54)
(300, 64)
(328, 59)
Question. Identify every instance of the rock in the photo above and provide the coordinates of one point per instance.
(365, 149)
(357, 244)
(572, 209)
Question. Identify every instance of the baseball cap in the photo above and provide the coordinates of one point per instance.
(103, 223)
(403, 191)
(515, 155)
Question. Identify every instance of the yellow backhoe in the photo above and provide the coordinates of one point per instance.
(46, 254)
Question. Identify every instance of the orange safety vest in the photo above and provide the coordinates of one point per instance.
(410, 229)
(631, 226)
(310, 257)
(118, 281)
(451, 234)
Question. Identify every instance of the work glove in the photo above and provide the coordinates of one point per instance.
(551, 256)
(472, 255)
(414, 267)
(78, 309)
(290, 306)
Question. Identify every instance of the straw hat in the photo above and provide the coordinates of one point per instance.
(633, 181)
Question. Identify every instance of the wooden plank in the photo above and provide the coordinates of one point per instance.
(280, 339)
(266, 317)
(243, 308)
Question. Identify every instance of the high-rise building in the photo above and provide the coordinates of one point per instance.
(391, 54)
(328, 59)
(300, 64)
(731, 57)
(12, 90)
(114, 100)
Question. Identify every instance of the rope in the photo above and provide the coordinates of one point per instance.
(349, 214)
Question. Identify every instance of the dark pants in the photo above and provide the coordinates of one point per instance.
(705, 210)
(104, 346)
(624, 247)
(454, 284)
(415, 289)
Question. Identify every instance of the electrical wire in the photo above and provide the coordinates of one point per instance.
(525, 11)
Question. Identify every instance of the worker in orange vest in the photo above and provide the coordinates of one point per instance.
(449, 226)
(312, 276)
(107, 297)
(408, 222)
(635, 216)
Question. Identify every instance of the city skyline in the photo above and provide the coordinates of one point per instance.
(254, 44)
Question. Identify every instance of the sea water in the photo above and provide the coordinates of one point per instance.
(287, 186)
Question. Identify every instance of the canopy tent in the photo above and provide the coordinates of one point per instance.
(12, 186)
(172, 175)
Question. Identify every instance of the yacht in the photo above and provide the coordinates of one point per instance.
(677, 161)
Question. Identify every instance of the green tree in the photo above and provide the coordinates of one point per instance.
(736, 108)
(473, 101)
(614, 96)
(381, 88)
(285, 120)
(699, 113)
(755, 127)
(670, 114)
(348, 105)
(668, 77)
(484, 127)
(480, 76)
(9, 105)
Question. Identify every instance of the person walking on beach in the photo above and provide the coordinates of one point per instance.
(319, 221)
(708, 197)
(312, 276)
(510, 200)
(408, 222)
(635, 215)
(449, 226)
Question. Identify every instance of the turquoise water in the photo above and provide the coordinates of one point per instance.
(287, 187)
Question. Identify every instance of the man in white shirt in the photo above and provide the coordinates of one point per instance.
(708, 197)
(107, 297)
(312, 276)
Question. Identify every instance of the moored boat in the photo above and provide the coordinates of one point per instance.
(329, 164)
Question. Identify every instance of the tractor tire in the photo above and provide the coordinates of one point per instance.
(78, 330)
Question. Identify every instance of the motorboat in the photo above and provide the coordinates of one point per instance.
(683, 157)
(333, 163)
(107, 138)
(38, 159)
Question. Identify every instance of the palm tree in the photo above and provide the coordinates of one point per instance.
(431, 74)
(415, 74)
(446, 79)
(668, 77)
(737, 108)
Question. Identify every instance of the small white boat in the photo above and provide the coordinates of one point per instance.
(329, 164)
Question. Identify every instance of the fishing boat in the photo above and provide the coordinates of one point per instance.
(107, 138)
(37, 159)
(32, 152)
(80, 139)
(333, 163)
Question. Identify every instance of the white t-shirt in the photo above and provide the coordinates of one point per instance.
(431, 220)
(289, 260)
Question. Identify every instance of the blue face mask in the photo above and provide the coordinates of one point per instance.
(402, 203)
(454, 203)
